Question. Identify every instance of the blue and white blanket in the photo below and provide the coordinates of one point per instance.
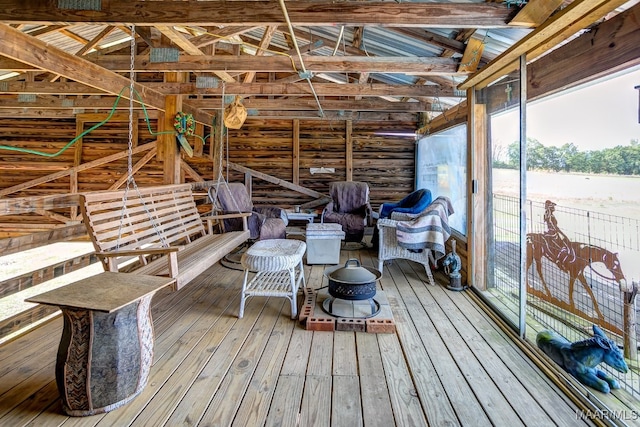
(429, 230)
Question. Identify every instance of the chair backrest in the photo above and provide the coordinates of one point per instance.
(233, 197)
(413, 203)
(349, 196)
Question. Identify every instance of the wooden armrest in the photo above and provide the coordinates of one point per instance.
(139, 252)
(223, 216)
(243, 215)
(171, 252)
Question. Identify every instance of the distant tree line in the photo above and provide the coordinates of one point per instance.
(622, 160)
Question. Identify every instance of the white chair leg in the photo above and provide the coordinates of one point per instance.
(427, 269)
(302, 279)
(294, 293)
(380, 265)
(243, 295)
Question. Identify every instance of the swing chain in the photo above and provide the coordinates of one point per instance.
(130, 179)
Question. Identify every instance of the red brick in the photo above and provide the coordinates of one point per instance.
(381, 326)
(320, 324)
(305, 312)
(308, 305)
(348, 324)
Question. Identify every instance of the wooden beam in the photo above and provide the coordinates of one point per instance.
(263, 13)
(22, 205)
(274, 180)
(535, 12)
(135, 168)
(576, 16)
(432, 38)
(188, 170)
(314, 64)
(30, 50)
(611, 46)
(85, 166)
(262, 46)
(362, 116)
(472, 56)
(43, 102)
(368, 104)
(93, 42)
(59, 234)
(247, 89)
(185, 44)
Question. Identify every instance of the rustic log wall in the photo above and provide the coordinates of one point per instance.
(386, 162)
(374, 152)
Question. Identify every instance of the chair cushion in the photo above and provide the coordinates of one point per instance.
(414, 203)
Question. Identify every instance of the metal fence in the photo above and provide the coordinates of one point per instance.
(582, 269)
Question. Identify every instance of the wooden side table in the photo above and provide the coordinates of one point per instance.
(106, 348)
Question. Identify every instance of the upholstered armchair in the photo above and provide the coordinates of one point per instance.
(266, 222)
(349, 207)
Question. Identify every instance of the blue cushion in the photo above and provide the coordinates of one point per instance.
(414, 203)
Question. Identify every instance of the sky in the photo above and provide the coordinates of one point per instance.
(593, 117)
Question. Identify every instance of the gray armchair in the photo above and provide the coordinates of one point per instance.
(266, 222)
(349, 207)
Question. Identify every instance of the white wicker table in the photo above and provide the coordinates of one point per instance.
(278, 268)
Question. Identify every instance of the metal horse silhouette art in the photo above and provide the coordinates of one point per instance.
(570, 257)
(581, 358)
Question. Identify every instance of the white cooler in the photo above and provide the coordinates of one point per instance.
(323, 243)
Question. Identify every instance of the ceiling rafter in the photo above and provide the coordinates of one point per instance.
(262, 13)
(230, 63)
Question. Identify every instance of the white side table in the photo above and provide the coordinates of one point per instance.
(301, 216)
(279, 271)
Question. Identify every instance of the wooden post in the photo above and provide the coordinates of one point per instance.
(629, 323)
(296, 152)
(77, 160)
(349, 150)
(248, 183)
(478, 200)
(198, 147)
(170, 150)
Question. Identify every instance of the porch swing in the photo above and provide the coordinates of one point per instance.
(154, 231)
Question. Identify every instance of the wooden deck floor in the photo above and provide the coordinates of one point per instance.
(447, 364)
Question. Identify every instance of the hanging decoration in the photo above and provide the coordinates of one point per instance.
(235, 114)
(185, 125)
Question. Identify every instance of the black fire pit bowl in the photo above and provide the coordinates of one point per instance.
(353, 281)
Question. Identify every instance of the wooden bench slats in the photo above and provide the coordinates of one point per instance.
(152, 218)
(208, 250)
(146, 234)
(114, 212)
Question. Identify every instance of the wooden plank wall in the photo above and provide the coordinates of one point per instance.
(386, 162)
(50, 136)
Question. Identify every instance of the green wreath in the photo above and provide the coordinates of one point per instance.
(184, 124)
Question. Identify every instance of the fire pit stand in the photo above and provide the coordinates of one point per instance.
(353, 282)
(327, 307)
